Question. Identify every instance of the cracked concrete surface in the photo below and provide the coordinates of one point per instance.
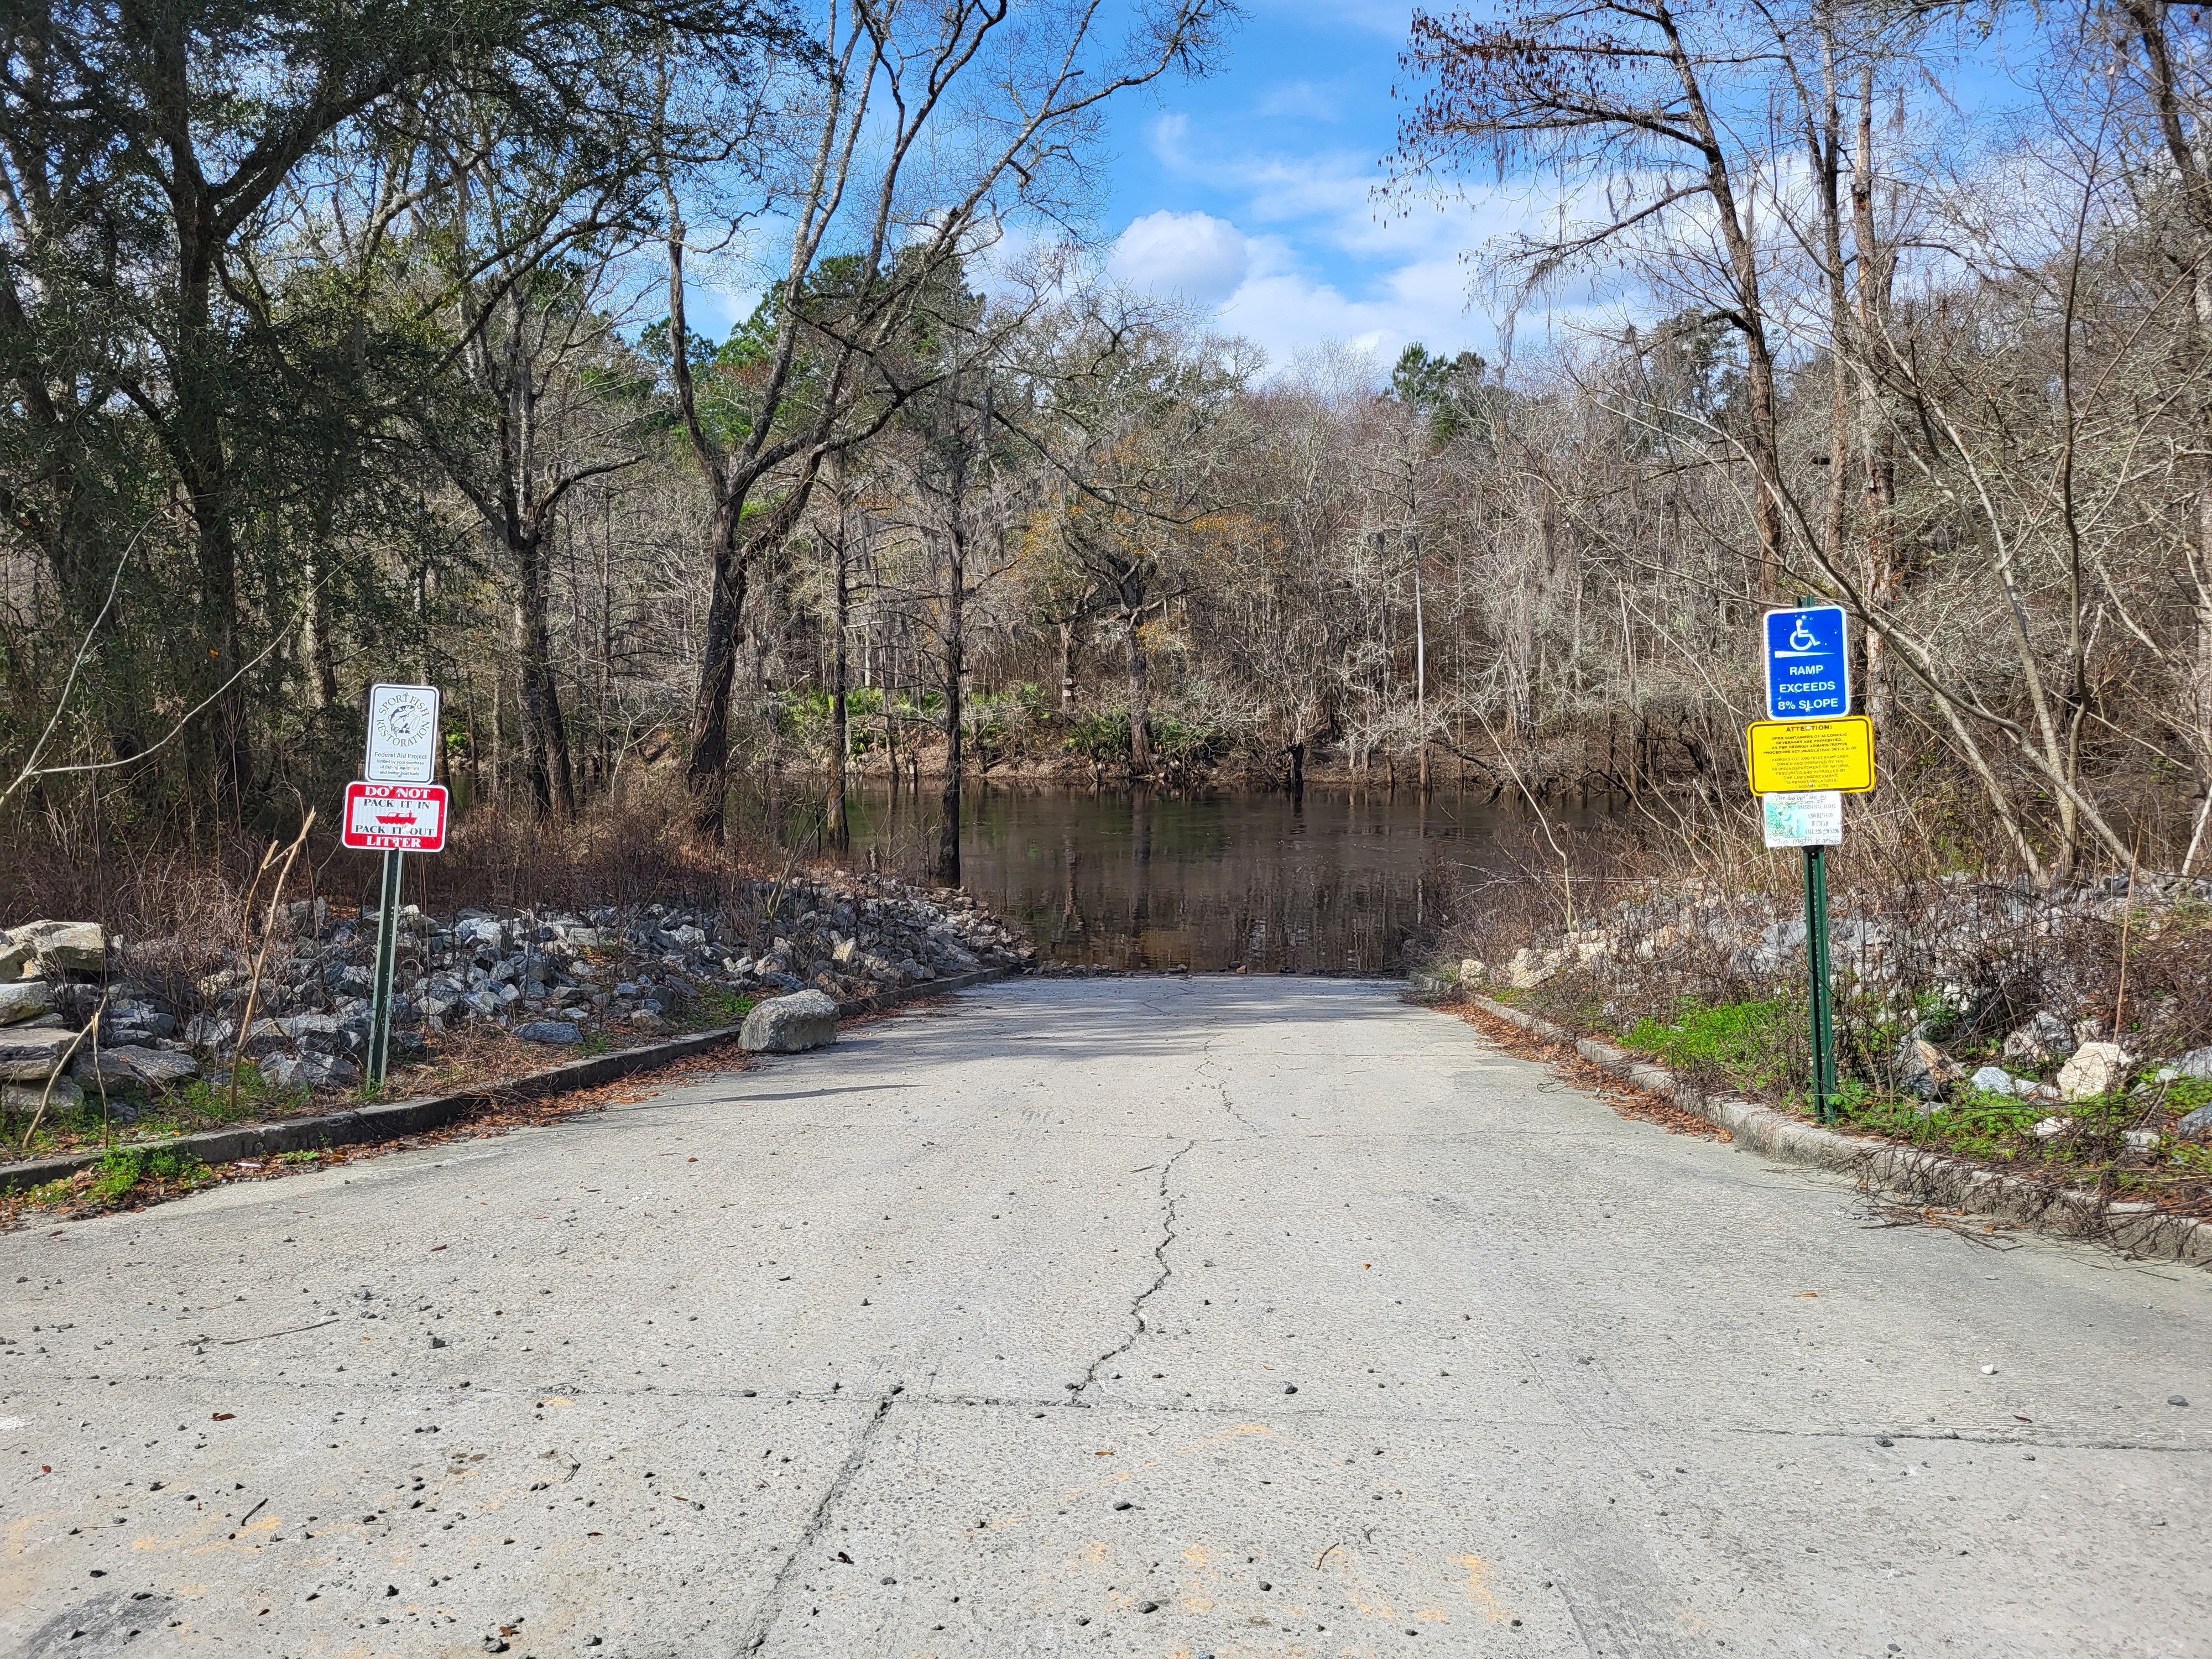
(821, 1359)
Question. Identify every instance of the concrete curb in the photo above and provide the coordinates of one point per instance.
(1906, 1172)
(393, 1119)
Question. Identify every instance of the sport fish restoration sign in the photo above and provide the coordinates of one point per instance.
(395, 817)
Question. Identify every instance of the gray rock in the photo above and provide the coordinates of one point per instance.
(309, 1072)
(126, 1066)
(2043, 1036)
(2197, 1126)
(26, 998)
(2197, 1063)
(28, 1055)
(785, 1024)
(313, 1031)
(549, 1030)
(267, 1037)
(210, 1031)
(1995, 1080)
(15, 959)
(79, 947)
(1924, 1070)
(25, 1096)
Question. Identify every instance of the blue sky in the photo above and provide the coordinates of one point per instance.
(1251, 191)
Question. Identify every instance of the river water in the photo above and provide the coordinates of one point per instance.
(1336, 882)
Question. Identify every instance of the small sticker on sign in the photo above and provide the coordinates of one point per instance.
(1809, 818)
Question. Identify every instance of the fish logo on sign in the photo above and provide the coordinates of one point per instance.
(402, 734)
(1808, 663)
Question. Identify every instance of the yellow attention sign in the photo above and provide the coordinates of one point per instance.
(1788, 756)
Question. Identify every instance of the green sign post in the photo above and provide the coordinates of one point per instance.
(1804, 758)
(1816, 961)
(396, 807)
(387, 948)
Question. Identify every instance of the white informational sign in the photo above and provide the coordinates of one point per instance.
(395, 817)
(1813, 818)
(402, 734)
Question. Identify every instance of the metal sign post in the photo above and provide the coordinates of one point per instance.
(396, 808)
(1805, 756)
(387, 950)
(1816, 962)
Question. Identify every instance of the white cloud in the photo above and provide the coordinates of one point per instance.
(1303, 100)
(1167, 136)
(1194, 255)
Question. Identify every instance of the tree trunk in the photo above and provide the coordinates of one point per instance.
(839, 832)
(1420, 668)
(1068, 668)
(1739, 237)
(545, 732)
(707, 772)
(1878, 458)
(1140, 736)
(948, 837)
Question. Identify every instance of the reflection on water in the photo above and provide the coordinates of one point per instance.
(1335, 883)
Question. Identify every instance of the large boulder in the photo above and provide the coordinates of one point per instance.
(15, 959)
(31, 1056)
(64, 1096)
(26, 998)
(76, 947)
(1530, 969)
(2097, 1068)
(785, 1025)
(127, 1066)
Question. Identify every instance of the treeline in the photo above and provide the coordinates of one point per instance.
(340, 353)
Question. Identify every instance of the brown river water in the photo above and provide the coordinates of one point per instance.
(1337, 882)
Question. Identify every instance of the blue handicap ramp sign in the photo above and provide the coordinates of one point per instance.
(1808, 675)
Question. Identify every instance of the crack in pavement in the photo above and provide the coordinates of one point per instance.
(764, 1616)
(1206, 1064)
(1136, 1307)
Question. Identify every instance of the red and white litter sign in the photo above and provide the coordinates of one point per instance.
(395, 817)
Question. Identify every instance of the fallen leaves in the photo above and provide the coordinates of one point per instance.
(1626, 1099)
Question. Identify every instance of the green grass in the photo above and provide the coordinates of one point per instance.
(731, 1005)
(1751, 1043)
(121, 1172)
